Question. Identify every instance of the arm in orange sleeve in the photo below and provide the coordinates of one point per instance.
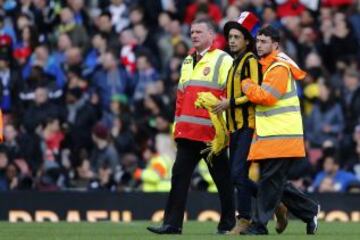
(253, 69)
(271, 89)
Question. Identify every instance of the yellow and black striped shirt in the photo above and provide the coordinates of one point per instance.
(241, 112)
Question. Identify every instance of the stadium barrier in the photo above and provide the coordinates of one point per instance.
(127, 207)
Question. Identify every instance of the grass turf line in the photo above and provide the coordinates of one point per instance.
(137, 230)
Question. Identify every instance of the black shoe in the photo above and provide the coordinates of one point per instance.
(312, 226)
(165, 229)
(255, 230)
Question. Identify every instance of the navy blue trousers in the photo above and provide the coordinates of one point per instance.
(240, 142)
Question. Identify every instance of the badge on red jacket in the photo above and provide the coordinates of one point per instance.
(206, 71)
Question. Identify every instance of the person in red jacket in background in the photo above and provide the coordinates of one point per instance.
(203, 6)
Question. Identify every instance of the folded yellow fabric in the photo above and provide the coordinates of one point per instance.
(207, 100)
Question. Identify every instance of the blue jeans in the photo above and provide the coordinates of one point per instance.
(240, 142)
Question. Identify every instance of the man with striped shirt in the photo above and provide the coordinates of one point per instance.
(240, 113)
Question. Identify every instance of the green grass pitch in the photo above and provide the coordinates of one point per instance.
(137, 230)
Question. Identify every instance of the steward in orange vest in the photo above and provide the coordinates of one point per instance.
(278, 138)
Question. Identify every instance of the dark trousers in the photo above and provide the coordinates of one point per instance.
(274, 187)
(187, 157)
(240, 142)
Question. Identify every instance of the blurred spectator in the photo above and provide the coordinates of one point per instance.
(269, 17)
(111, 79)
(38, 78)
(52, 135)
(64, 43)
(120, 15)
(164, 142)
(41, 110)
(288, 8)
(119, 108)
(11, 144)
(45, 19)
(42, 59)
(104, 181)
(326, 121)
(136, 15)
(73, 58)
(353, 164)
(169, 35)
(28, 40)
(332, 178)
(49, 175)
(338, 41)
(25, 20)
(147, 42)
(306, 43)
(7, 31)
(231, 12)
(92, 59)
(76, 32)
(123, 136)
(11, 177)
(351, 99)
(11, 84)
(307, 19)
(127, 54)
(106, 28)
(125, 178)
(80, 14)
(83, 174)
(4, 161)
(25, 7)
(81, 117)
(156, 175)
(311, 89)
(104, 153)
(145, 76)
(205, 7)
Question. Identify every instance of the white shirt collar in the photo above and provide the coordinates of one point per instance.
(203, 52)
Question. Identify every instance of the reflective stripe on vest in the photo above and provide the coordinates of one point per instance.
(278, 137)
(278, 111)
(202, 83)
(191, 119)
(276, 93)
(286, 103)
(282, 120)
(213, 84)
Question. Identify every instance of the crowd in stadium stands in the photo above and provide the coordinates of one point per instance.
(87, 89)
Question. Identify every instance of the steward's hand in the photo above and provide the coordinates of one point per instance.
(221, 106)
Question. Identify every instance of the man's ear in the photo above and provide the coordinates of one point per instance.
(275, 45)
